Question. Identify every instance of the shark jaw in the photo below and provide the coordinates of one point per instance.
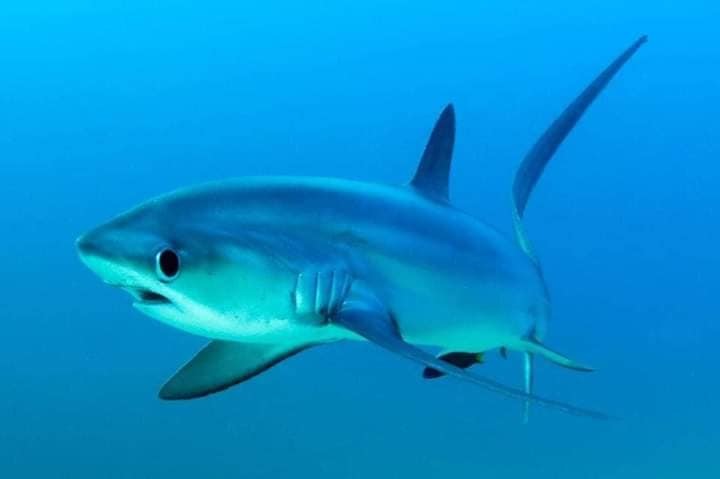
(94, 251)
(145, 296)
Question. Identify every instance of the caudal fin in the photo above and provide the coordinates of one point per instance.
(539, 155)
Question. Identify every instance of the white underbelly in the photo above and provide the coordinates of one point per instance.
(461, 320)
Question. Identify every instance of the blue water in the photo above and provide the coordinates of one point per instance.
(104, 104)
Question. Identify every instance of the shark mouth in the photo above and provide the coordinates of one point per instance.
(146, 296)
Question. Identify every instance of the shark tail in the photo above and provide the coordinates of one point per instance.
(526, 178)
(542, 151)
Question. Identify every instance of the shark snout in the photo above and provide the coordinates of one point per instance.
(100, 242)
(88, 244)
(105, 253)
(95, 250)
(120, 255)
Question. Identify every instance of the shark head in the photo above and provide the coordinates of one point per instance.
(192, 277)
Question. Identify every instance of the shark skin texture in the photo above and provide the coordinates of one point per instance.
(266, 267)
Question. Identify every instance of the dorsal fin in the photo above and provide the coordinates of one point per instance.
(534, 163)
(433, 172)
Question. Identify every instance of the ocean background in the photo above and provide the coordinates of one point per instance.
(105, 104)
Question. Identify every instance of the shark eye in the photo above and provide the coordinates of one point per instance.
(167, 265)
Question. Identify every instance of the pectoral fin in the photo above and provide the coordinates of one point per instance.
(222, 364)
(366, 317)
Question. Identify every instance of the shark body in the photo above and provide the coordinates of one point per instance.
(268, 267)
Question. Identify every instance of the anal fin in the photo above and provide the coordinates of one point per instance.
(222, 364)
